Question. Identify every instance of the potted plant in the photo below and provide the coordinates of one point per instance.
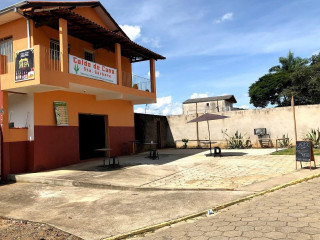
(185, 140)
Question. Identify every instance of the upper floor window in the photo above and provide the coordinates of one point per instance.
(208, 104)
(89, 55)
(55, 49)
(6, 48)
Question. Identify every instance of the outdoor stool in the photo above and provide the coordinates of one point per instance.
(217, 151)
(154, 154)
(114, 158)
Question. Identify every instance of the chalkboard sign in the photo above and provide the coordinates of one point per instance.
(304, 151)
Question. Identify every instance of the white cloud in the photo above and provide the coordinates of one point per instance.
(157, 74)
(225, 17)
(133, 32)
(154, 42)
(139, 110)
(164, 106)
(199, 95)
(244, 106)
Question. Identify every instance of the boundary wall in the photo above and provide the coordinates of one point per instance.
(277, 121)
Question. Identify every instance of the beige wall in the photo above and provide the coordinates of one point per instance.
(278, 121)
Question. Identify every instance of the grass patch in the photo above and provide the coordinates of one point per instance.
(292, 151)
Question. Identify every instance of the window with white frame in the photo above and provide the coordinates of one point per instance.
(6, 48)
(54, 49)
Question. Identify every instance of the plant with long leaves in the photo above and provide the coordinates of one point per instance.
(285, 142)
(314, 137)
(237, 141)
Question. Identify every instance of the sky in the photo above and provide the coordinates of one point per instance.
(214, 47)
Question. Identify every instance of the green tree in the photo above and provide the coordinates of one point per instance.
(289, 63)
(276, 86)
(306, 84)
(269, 89)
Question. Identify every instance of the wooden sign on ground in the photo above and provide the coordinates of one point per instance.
(304, 153)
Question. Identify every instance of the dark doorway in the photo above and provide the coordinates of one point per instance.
(92, 135)
(159, 134)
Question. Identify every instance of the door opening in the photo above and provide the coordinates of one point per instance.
(92, 135)
(158, 134)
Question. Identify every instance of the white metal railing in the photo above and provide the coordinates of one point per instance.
(52, 58)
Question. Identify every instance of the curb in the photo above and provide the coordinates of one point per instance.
(75, 183)
(214, 209)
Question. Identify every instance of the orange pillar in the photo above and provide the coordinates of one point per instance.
(63, 40)
(118, 63)
(153, 75)
(5, 151)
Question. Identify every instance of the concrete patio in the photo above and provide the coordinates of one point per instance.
(176, 169)
(92, 203)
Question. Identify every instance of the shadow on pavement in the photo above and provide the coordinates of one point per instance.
(227, 154)
(165, 156)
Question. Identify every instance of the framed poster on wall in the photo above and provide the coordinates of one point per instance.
(24, 65)
(60, 109)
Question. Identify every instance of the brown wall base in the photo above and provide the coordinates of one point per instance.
(119, 138)
(17, 157)
(55, 147)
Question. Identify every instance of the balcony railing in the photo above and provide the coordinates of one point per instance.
(52, 58)
(135, 81)
(143, 84)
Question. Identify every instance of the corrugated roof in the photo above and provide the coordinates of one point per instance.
(229, 98)
(94, 4)
(49, 12)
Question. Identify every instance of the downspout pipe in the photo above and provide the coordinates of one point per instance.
(28, 32)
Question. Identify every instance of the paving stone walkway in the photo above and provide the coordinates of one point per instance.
(290, 213)
(176, 169)
(228, 172)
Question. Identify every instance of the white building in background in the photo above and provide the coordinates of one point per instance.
(209, 105)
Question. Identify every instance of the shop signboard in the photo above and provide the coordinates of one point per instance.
(24, 65)
(85, 68)
(60, 109)
(304, 151)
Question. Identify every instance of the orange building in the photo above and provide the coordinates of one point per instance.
(67, 86)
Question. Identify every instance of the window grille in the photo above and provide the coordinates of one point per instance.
(89, 56)
(6, 48)
(54, 49)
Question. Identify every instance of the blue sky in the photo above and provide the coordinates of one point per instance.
(214, 47)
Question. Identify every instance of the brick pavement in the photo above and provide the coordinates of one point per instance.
(290, 213)
(228, 172)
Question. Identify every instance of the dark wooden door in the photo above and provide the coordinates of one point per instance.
(92, 135)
